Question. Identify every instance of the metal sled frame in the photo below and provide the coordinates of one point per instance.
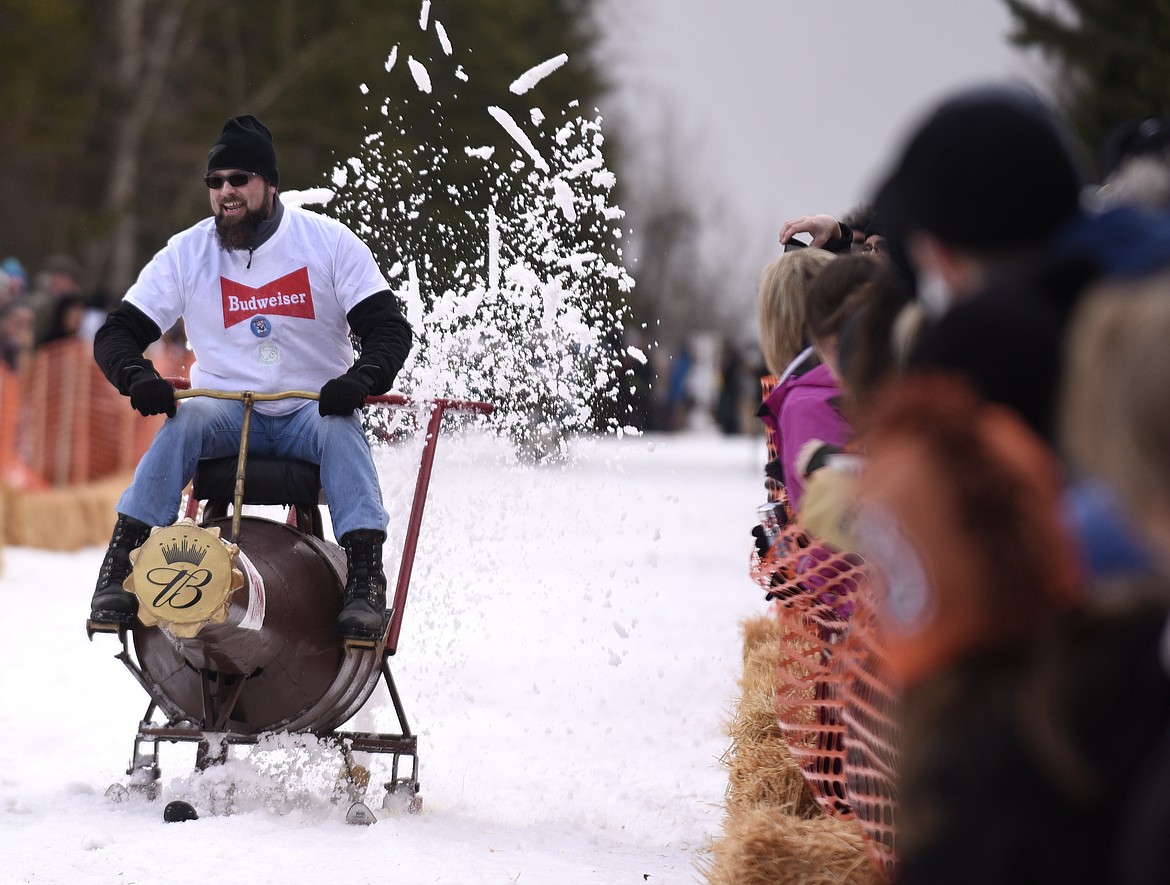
(144, 770)
(220, 696)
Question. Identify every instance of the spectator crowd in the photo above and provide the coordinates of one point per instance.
(968, 387)
(965, 387)
(51, 306)
(57, 305)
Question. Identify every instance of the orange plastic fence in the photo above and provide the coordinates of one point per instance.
(871, 735)
(62, 423)
(13, 470)
(767, 385)
(809, 703)
(834, 701)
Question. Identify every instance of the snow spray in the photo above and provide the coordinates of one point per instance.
(533, 320)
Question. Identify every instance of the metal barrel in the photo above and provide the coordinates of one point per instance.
(276, 662)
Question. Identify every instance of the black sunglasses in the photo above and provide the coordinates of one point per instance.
(236, 179)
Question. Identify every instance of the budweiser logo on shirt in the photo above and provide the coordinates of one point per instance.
(288, 296)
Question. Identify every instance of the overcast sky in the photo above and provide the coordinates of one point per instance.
(784, 108)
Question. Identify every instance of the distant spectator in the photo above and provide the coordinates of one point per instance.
(678, 389)
(67, 319)
(17, 275)
(60, 278)
(874, 340)
(16, 334)
(857, 307)
(800, 407)
(730, 398)
(832, 300)
(98, 307)
(869, 236)
(781, 305)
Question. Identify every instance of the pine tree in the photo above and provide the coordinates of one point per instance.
(1112, 58)
(109, 108)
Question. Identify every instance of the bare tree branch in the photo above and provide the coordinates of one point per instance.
(152, 54)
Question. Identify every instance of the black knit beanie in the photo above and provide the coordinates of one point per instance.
(991, 168)
(245, 144)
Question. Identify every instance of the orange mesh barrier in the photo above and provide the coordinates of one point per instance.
(838, 712)
(767, 385)
(798, 565)
(834, 701)
(14, 470)
(62, 423)
(871, 736)
(808, 701)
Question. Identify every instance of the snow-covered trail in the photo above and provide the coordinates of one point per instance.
(569, 656)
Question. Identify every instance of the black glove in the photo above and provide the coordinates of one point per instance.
(774, 469)
(762, 543)
(343, 395)
(151, 394)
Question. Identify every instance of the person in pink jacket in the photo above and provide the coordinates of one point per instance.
(783, 318)
(804, 406)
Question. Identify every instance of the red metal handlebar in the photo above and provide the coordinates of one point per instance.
(438, 406)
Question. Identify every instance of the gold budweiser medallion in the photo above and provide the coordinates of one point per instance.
(184, 577)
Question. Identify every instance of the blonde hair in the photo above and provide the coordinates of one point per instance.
(1115, 421)
(783, 305)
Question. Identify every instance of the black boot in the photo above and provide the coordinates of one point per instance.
(111, 603)
(364, 609)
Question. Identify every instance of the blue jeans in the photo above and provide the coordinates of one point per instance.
(210, 428)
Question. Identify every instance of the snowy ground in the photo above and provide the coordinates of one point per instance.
(569, 657)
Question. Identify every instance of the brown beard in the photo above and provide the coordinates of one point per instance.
(240, 234)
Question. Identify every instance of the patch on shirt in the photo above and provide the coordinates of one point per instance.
(269, 354)
(261, 327)
(288, 296)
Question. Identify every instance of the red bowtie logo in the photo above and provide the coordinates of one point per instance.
(288, 296)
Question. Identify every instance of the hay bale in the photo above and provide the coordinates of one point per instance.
(754, 718)
(46, 519)
(775, 833)
(756, 632)
(98, 504)
(66, 518)
(761, 769)
(762, 847)
(802, 660)
(765, 773)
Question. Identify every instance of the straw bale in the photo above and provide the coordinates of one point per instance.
(775, 833)
(763, 847)
(66, 518)
(754, 717)
(760, 767)
(765, 773)
(757, 631)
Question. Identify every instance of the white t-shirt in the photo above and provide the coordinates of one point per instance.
(278, 324)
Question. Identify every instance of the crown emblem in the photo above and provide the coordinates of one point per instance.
(184, 552)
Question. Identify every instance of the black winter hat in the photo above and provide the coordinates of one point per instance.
(991, 168)
(245, 144)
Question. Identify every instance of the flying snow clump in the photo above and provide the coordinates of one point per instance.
(506, 255)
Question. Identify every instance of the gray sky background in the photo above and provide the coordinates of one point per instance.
(779, 108)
